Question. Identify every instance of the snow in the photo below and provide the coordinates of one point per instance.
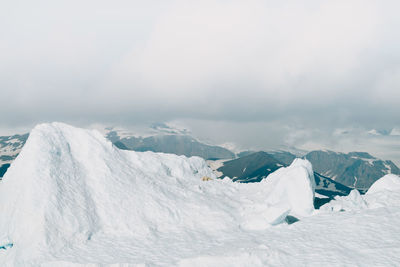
(320, 196)
(389, 182)
(335, 239)
(388, 168)
(287, 191)
(385, 192)
(71, 197)
(296, 183)
(354, 201)
(355, 181)
(369, 161)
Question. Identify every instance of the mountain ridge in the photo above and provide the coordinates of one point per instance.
(353, 170)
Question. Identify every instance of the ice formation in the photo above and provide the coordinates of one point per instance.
(72, 197)
(353, 201)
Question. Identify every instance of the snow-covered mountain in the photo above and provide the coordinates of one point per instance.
(171, 143)
(160, 137)
(71, 197)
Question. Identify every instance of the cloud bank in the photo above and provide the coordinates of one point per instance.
(306, 68)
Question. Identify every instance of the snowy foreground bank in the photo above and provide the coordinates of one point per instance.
(72, 199)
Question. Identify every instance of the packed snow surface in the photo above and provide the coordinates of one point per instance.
(71, 197)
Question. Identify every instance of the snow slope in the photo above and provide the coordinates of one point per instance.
(389, 182)
(72, 197)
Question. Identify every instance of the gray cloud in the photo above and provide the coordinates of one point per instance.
(270, 72)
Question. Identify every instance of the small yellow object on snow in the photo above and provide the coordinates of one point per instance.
(206, 178)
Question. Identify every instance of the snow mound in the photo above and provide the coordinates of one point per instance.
(354, 201)
(286, 191)
(389, 182)
(71, 196)
(296, 183)
(385, 192)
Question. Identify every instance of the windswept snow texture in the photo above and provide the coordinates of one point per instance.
(71, 197)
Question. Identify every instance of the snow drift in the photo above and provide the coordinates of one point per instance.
(71, 196)
(389, 182)
(385, 192)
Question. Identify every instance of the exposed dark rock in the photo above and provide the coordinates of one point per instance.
(250, 168)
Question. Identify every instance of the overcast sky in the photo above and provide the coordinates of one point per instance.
(310, 74)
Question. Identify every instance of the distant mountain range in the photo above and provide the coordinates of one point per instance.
(255, 166)
(355, 169)
(171, 143)
(335, 173)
